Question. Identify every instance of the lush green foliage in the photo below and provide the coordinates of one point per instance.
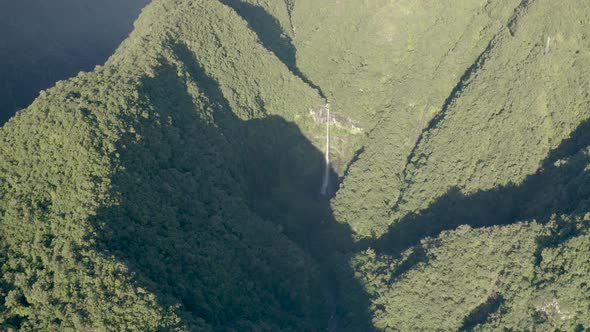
(126, 193)
(486, 279)
(176, 187)
(493, 154)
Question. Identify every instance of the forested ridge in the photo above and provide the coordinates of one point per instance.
(177, 186)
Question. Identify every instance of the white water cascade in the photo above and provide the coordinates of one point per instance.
(326, 179)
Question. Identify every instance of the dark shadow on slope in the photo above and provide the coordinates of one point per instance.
(356, 157)
(559, 187)
(455, 93)
(290, 196)
(44, 42)
(271, 35)
(578, 140)
(481, 313)
(284, 168)
(185, 224)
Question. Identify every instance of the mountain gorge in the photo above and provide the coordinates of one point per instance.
(177, 186)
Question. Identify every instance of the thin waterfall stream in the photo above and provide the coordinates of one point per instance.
(326, 178)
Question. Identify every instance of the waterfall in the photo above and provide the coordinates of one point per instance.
(326, 179)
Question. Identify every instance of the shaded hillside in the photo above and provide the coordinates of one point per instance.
(43, 42)
(144, 215)
(508, 257)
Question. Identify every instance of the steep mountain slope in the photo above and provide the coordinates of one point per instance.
(493, 155)
(44, 42)
(530, 89)
(127, 205)
(425, 49)
(177, 187)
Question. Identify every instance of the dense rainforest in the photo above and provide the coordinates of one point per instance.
(176, 187)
